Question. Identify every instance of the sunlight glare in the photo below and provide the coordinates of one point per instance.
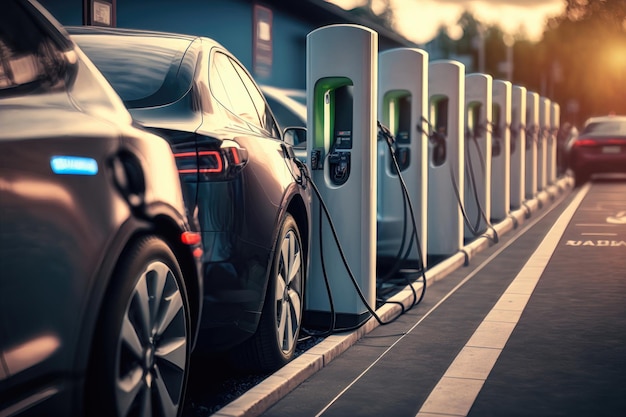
(419, 20)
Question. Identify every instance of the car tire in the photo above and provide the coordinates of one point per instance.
(274, 343)
(140, 358)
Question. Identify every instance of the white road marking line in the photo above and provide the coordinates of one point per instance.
(457, 390)
(459, 285)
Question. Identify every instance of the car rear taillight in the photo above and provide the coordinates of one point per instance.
(615, 142)
(212, 164)
(203, 162)
(584, 143)
(580, 143)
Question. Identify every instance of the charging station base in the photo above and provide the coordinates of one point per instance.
(321, 320)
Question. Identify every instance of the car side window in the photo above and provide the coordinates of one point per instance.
(31, 59)
(229, 90)
(267, 120)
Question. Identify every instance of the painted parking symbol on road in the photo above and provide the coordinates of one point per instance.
(618, 218)
(595, 243)
(602, 221)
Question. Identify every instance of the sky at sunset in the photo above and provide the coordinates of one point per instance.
(418, 20)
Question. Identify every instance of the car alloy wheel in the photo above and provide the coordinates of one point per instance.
(288, 292)
(152, 345)
(141, 355)
(274, 343)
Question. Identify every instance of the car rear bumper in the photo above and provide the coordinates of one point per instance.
(599, 163)
(235, 281)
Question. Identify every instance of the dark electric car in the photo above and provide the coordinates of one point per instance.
(100, 291)
(238, 174)
(600, 148)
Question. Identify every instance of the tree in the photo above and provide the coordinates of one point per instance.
(588, 44)
(385, 18)
(469, 43)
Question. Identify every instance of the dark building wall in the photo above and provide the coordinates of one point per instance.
(67, 12)
(289, 63)
(227, 21)
(231, 23)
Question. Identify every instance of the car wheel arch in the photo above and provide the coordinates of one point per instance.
(265, 350)
(145, 249)
(298, 209)
(166, 228)
(131, 231)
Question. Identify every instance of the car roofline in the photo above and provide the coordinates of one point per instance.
(99, 30)
(596, 119)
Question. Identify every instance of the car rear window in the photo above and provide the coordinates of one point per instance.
(605, 128)
(145, 71)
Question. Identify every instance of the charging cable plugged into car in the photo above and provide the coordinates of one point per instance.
(305, 178)
(341, 169)
(386, 135)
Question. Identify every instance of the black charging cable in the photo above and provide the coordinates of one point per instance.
(304, 172)
(515, 136)
(515, 142)
(399, 258)
(390, 140)
(469, 167)
(469, 174)
(434, 137)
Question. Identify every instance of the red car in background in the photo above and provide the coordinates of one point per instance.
(600, 148)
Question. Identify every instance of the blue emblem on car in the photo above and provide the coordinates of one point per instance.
(74, 165)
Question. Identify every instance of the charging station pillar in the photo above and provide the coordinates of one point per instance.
(542, 144)
(501, 150)
(532, 135)
(553, 146)
(478, 111)
(446, 95)
(342, 72)
(518, 146)
(402, 107)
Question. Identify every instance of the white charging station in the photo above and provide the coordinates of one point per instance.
(403, 108)
(542, 143)
(478, 111)
(518, 146)
(532, 135)
(446, 98)
(501, 150)
(342, 73)
(555, 117)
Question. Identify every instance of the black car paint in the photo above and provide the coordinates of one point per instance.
(239, 215)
